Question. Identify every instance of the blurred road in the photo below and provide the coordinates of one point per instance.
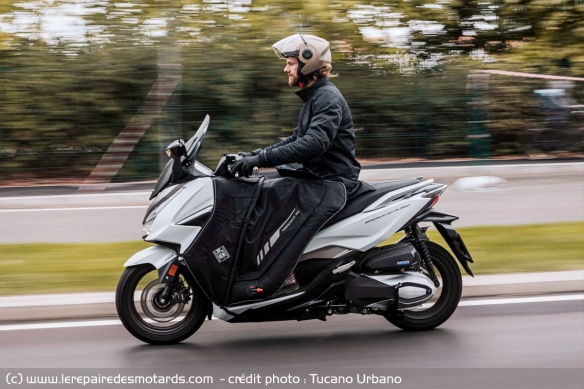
(549, 194)
(521, 335)
(481, 346)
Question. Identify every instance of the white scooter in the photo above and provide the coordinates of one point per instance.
(167, 290)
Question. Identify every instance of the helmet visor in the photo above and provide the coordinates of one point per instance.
(287, 47)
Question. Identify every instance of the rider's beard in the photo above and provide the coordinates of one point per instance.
(292, 80)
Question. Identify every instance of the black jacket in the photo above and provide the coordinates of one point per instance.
(324, 141)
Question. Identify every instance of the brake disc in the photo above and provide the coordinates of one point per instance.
(154, 309)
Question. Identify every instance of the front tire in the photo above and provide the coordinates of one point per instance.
(448, 298)
(148, 320)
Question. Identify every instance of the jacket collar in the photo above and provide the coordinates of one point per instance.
(305, 93)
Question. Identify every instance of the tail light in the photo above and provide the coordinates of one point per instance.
(435, 199)
(434, 195)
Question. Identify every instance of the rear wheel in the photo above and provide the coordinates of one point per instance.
(145, 317)
(443, 304)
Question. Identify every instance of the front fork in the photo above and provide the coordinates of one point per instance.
(419, 236)
(169, 275)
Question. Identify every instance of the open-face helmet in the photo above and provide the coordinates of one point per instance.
(313, 53)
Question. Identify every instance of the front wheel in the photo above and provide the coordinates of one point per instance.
(445, 301)
(145, 317)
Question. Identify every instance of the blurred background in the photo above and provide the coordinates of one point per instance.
(92, 91)
(425, 80)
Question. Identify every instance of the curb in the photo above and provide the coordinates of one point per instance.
(100, 305)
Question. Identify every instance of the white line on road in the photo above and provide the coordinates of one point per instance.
(521, 300)
(111, 322)
(67, 324)
(74, 209)
(143, 193)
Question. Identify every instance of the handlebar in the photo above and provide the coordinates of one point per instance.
(255, 171)
(226, 163)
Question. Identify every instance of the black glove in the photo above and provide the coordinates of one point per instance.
(244, 166)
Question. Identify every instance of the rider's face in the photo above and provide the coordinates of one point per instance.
(291, 70)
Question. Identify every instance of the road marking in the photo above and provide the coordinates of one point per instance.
(112, 322)
(521, 300)
(74, 209)
(67, 324)
(81, 195)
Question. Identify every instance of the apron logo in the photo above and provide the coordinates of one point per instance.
(269, 244)
(221, 254)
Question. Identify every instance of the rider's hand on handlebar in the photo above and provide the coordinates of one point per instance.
(245, 166)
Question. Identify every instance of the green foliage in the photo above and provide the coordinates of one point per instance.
(70, 85)
(533, 248)
(34, 268)
(45, 268)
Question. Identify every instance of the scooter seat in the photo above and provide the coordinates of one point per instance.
(361, 202)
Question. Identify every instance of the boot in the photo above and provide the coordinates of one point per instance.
(290, 285)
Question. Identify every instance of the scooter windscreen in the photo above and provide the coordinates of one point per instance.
(192, 146)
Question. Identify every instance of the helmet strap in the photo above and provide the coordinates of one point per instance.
(302, 79)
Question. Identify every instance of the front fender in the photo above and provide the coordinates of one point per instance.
(157, 256)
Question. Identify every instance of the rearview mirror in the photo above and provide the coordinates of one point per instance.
(176, 149)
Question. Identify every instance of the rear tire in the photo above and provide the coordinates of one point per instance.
(144, 318)
(450, 291)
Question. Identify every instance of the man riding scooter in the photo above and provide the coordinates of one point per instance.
(324, 140)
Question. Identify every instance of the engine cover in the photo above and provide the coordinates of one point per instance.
(390, 259)
(379, 291)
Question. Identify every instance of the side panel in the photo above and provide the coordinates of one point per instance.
(388, 198)
(155, 255)
(195, 197)
(365, 230)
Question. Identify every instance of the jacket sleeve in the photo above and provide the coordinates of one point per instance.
(323, 127)
(291, 138)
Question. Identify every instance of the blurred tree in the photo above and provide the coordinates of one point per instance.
(73, 74)
(548, 35)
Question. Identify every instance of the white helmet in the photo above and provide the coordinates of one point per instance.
(312, 52)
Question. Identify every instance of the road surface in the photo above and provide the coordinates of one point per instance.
(499, 339)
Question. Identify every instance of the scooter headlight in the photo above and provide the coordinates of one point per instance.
(149, 219)
(147, 226)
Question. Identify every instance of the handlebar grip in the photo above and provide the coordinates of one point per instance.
(255, 170)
